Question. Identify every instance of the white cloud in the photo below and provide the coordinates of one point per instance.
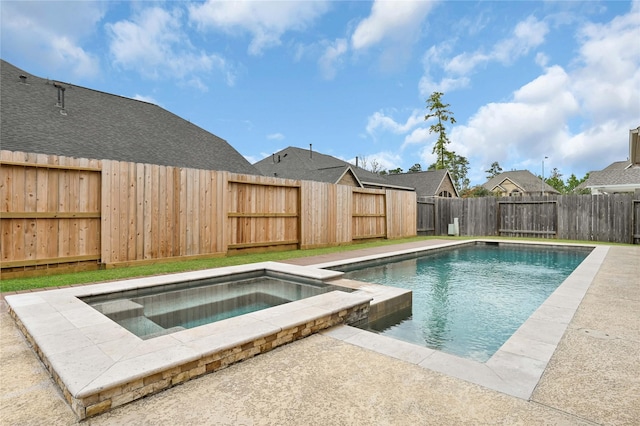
(266, 21)
(52, 33)
(394, 27)
(332, 58)
(251, 159)
(418, 136)
(608, 77)
(529, 126)
(427, 85)
(380, 121)
(397, 20)
(542, 59)
(434, 57)
(154, 44)
(144, 98)
(275, 136)
(526, 35)
(385, 159)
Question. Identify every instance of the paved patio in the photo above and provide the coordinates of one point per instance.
(592, 378)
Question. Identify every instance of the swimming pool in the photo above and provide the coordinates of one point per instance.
(468, 301)
(152, 312)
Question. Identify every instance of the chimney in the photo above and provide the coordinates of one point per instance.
(310, 150)
(273, 158)
(278, 158)
(356, 162)
(23, 79)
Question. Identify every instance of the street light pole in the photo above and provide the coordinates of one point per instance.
(542, 185)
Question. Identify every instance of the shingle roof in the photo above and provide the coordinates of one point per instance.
(526, 180)
(104, 126)
(617, 165)
(303, 164)
(629, 176)
(426, 183)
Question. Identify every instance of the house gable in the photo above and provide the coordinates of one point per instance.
(446, 187)
(305, 164)
(508, 187)
(349, 178)
(620, 176)
(430, 183)
(518, 182)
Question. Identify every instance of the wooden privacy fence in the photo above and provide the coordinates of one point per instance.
(528, 218)
(607, 218)
(263, 213)
(50, 212)
(59, 210)
(426, 217)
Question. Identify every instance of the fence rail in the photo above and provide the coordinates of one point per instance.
(50, 210)
(58, 210)
(607, 218)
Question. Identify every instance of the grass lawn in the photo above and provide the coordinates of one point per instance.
(168, 267)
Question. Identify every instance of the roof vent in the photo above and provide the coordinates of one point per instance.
(23, 79)
(61, 90)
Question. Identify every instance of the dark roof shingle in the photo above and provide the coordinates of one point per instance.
(523, 178)
(426, 183)
(304, 164)
(100, 125)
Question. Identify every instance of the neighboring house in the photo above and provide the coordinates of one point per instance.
(431, 183)
(517, 183)
(43, 116)
(620, 176)
(305, 164)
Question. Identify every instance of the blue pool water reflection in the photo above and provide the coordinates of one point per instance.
(468, 301)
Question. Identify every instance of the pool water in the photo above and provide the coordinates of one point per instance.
(150, 313)
(468, 301)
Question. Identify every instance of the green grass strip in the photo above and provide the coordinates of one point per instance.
(169, 267)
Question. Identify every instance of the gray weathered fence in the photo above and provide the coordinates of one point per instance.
(608, 218)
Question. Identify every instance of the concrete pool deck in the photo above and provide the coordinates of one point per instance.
(593, 377)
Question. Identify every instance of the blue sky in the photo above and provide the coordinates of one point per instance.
(525, 80)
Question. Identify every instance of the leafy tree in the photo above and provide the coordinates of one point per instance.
(555, 180)
(415, 168)
(494, 170)
(395, 171)
(458, 167)
(573, 182)
(439, 110)
(476, 191)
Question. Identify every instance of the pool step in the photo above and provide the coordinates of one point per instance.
(119, 310)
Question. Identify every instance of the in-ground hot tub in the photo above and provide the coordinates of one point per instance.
(99, 364)
(159, 310)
